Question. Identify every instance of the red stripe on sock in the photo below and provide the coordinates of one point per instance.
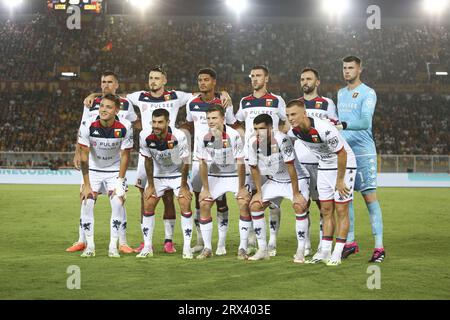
(187, 214)
(148, 214)
(205, 221)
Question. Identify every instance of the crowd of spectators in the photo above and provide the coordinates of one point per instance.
(41, 121)
(395, 53)
(33, 49)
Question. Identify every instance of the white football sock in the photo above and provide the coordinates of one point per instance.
(222, 227)
(148, 225)
(206, 226)
(186, 226)
(259, 224)
(87, 221)
(245, 224)
(169, 226)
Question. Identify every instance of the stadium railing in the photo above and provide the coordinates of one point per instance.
(386, 163)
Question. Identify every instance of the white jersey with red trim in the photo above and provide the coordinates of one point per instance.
(324, 141)
(126, 110)
(105, 143)
(196, 109)
(250, 107)
(220, 152)
(167, 154)
(196, 112)
(271, 158)
(172, 101)
(320, 107)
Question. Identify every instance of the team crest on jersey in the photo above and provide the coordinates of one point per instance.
(117, 133)
(269, 102)
(315, 138)
(167, 97)
(122, 107)
(225, 143)
(355, 95)
(170, 144)
(318, 105)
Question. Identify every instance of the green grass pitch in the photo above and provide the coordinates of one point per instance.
(39, 222)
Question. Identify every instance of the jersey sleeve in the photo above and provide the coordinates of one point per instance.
(200, 151)
(143, 148)
(188, 112)
(83, 134)
(134, 97)
(85, 116)
(239, 148)
(252, 152)
(131, 114)
(240, 113)
(287, 149)
(282, 109)
(184, 97)
(127, 142)
(333, 139)
(183, 146)
(367, 111)
(331, 111)
(229, 115)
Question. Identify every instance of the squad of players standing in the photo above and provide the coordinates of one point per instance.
(356, 106)
(261, 101)
(109, 85)
(322, 108)
(196, 110)
(105, 146)
(335, 179)
(167, 161)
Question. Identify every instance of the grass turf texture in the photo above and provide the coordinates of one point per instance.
(40, 222)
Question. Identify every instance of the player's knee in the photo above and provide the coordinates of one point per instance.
(256, 206)
(206, 205)
(298, 208)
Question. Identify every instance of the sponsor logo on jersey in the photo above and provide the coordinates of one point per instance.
(355, 95)
(95, 133)
(248, 104)
(196, 107)
(333, 142)
(117, 133)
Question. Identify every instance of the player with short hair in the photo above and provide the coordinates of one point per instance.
(271, 151)
(335, 180)
(105, 146)
(167, 161)
(147, 102)
(196, 116)
(109, 85)
(261, 101)
(220, 152)
(319, 107)
(356, 106)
